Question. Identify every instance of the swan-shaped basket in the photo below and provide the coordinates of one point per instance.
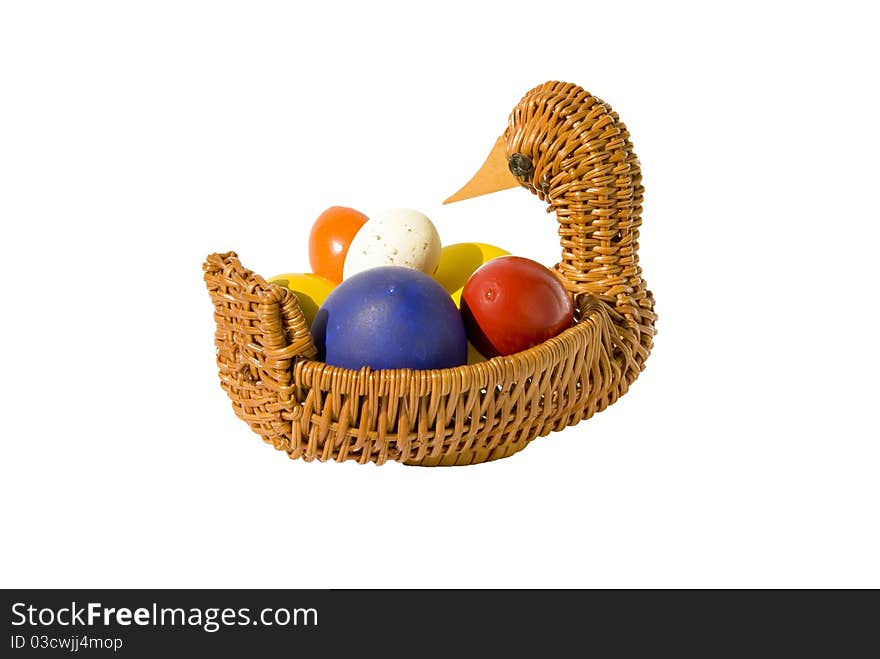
(569, 148)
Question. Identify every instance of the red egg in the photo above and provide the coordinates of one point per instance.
(512, 303)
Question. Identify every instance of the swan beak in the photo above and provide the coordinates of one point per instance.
(493, 176)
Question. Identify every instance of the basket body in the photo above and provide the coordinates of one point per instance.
(478, 412)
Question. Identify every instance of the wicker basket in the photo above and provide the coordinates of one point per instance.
(580, 160)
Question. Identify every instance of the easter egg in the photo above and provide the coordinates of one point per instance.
(512, 303)
(331, 238)
(401, 237)
(459, 261)
(390, 317)
(474, 356)
(311, 290)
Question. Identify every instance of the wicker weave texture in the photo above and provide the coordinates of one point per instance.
(585, 168)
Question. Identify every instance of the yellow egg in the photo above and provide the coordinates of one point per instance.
(459, 261)
(474, 355)
(311, 290)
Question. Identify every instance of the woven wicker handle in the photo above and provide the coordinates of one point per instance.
(261, 329)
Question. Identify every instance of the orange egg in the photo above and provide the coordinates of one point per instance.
(330, 239)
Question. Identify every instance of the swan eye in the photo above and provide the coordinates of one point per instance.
(520, 165)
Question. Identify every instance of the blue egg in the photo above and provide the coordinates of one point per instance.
(390, 317)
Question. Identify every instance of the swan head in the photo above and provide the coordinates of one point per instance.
(545, 137)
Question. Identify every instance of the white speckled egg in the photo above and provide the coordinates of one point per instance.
(400, 236)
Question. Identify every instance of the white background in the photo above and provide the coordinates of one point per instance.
(136, 138)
